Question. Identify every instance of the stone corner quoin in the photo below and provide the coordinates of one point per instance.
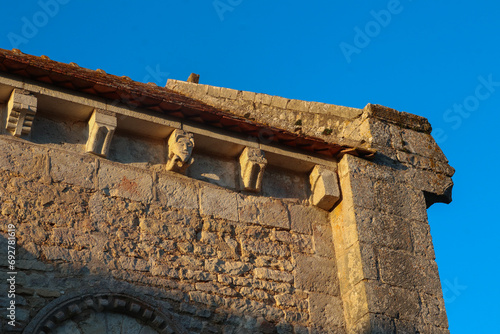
(201, 209)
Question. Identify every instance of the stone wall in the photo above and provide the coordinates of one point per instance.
(389, 279)
(256, 237)
(217, 260)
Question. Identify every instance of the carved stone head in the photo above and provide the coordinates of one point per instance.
(180, 148)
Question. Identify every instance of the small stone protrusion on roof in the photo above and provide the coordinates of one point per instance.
(44, 57)
(151, 84)
(17, 50)
(194, 78)
(126, 78)
(100, 71)
(74, 64)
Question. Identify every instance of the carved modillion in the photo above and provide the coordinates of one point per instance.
(325, 192)
(252, 166)
(21, 110)
(180, 149)
(102, 126)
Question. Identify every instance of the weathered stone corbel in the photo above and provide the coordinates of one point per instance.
(180, 148)
(102, 126)
(21, 111)
(252, 166)
(325, 190)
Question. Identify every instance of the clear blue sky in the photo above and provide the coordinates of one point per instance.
(437, 59)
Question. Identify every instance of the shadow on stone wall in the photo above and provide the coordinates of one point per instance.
(68, 298)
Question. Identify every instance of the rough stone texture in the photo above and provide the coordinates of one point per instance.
(114, 180)
(277, 111)
(222, 261)
(101, 129)
(402, 140)
(217, 259)
(387, 274)
(21, 110)
(71, 169)
(324, 188)
(218, 203)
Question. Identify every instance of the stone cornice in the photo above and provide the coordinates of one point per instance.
(292, 134)
(159, 100)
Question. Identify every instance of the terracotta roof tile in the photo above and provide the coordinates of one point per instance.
(152, 97)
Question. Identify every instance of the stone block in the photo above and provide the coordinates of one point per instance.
(374, 324)
(130, 263)
(219, 203)
(263, 211)
(226, 267)
(205, 298)
(403, 269)
(21, 110)
(344, 112)
(400, 200)
(229, 93)
(291, 300)
(258, 247)
(249, 96)
(114, 180)
(360, 191)
(433, 310)
(324, 188)
(437, 187)
(356, 264)
(421, 144)
(298, 105)
(323, 240)
(252, 167)
(294, 316)
(383, 229)
(263, 99)
(254, 293)
(72, 168)
(326, 311)
(392, 301)
(279, 102)
(214, 288)
(26, 159)
(303, 217)
(177, 192)
(273, 275)
(318, 107)
(165, 271)
(214, 91)
(316, 274)
(275, 287)
(404, 327)
(422, 239)
(429, 329)
(102, 125)
(297, 242)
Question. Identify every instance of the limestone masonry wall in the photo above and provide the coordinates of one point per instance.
(219, 261)
(158, 220)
